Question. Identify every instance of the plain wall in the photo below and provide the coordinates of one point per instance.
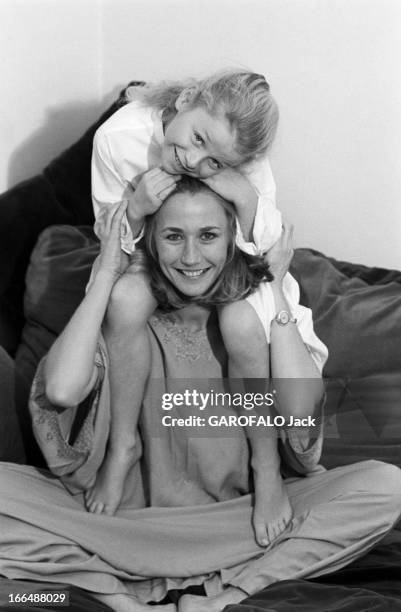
(50, 80)
(333, 66)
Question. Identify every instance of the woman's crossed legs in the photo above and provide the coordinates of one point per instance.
(328, 531)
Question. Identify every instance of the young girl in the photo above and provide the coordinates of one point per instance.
(218, 129)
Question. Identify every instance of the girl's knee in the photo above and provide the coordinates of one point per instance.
(131, 299)
(240, 320)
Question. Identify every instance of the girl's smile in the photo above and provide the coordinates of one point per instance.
(198, 144)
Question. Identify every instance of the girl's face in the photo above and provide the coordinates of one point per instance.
(198, 144)
(192, 236)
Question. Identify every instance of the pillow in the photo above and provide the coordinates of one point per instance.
(359, 322)
(357, 314)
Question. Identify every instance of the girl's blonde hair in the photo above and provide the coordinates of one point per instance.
(243, 98)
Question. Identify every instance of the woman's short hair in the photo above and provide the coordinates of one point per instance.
(240, 276)
(242, 97)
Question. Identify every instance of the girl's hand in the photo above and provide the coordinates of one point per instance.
(233, 186)
(281, 253)
(112, 259)
(153, 188)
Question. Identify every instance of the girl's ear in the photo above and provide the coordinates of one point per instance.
(185, 98)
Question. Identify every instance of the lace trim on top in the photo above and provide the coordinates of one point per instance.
(189, 345)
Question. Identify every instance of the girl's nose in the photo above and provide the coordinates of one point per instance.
(190, 254)
(192, 159)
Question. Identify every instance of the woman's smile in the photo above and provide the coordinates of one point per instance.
(193, 273)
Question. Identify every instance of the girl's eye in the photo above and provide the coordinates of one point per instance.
(198, 138)
(216, 165)
(173, 237)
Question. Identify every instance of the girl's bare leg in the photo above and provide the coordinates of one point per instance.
(248, 352)
(127, 340)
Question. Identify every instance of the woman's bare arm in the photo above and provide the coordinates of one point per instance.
(297, 380)
(70, 370)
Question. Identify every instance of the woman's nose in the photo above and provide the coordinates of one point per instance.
(190, 254)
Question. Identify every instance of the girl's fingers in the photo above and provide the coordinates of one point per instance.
(165, 181)
(165, 192)
(153, 172)
(288, 232)
(288, 227)
(118, 213)
(112, 219)
(157, 172)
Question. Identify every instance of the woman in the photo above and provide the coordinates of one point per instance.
(198, 528)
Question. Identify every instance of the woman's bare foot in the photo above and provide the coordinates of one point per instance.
(127, 603)
(194, 603)
(272, 511)
(105, 495)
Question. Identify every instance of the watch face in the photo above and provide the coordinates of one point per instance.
(284, 317)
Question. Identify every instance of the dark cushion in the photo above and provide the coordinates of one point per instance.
(357, 317)
(25, 211)
(357, 313)
(55, 285)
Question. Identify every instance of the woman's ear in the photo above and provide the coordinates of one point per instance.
(185, 98)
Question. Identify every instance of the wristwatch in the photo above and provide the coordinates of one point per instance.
(283, 317)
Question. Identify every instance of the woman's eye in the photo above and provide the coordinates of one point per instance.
(198, 138)
(208, 236)
(173, 237)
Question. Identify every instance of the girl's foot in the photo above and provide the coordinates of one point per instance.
(127, 603)
(106, 494)
(193, 603)
(272, 511)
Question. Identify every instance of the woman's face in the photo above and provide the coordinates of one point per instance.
(192, 236)
(198, 144)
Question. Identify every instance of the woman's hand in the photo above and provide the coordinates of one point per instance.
(153, 188)
(112, 258)
(280, 255)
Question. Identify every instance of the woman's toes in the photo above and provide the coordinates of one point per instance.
(96, 507)
(261, 534)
